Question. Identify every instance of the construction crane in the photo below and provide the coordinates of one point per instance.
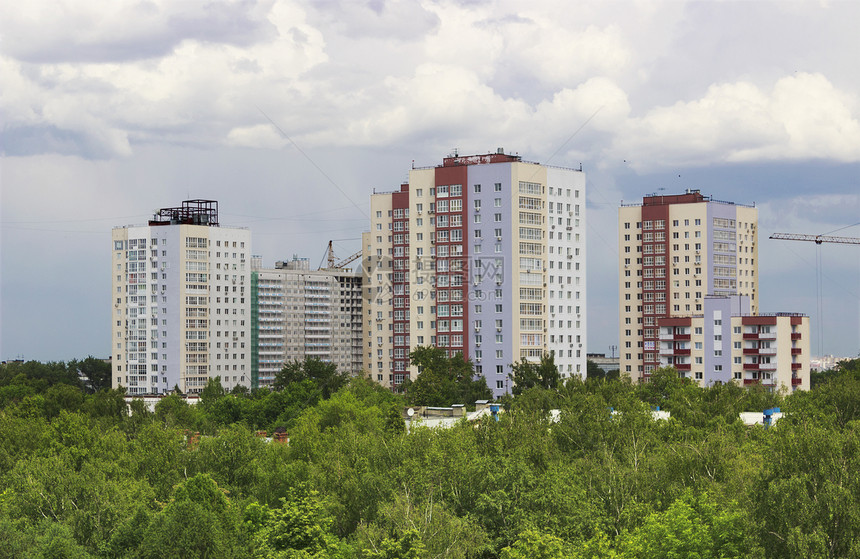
(817, 239)
(334, 264)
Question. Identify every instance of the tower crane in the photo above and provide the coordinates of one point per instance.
(334, 264)
(817, 239)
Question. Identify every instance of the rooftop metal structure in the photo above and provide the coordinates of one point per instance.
(191, 212)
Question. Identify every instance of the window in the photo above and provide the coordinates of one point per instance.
(500, 385)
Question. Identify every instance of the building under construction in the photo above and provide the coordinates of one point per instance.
(298, 312)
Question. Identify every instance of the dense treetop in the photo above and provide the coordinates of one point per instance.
(81, 477)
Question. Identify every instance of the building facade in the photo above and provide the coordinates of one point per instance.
(482, 255)
(674, 251)
(726, 343)
(299, 313)
(181, 309)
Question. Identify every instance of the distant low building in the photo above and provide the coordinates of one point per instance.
(606, 364)
(826, 362)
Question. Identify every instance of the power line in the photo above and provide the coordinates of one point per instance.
(312, 162)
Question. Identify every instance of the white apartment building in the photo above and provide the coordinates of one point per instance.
(181, 302)
(299, 313)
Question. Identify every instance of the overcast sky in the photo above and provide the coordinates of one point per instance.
(112, 109)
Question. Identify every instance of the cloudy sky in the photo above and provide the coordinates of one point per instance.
(112, 109)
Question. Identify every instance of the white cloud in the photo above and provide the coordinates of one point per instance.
(467, 74)
(258, 136)
(801, 117)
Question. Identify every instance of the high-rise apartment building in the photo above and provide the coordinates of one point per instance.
(181, 311)
(299, 313)
(726, 343)
(675, 250)
(483, 255)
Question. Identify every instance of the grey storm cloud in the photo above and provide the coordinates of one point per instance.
(137, 31)
(112, 108)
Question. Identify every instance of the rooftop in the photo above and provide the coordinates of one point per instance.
(690, 196)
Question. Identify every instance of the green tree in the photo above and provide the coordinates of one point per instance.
(299, 528)
(535, 545)
(199, 522)
(97, 372)
(526, 374)
(593, 370)
(407, 546)
(212, 392)
(807, 496)
(173, 411)
(323, 374)
(444, 380)
(692, 526)
(231, 458)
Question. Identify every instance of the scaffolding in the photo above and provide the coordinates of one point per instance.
(191, 212)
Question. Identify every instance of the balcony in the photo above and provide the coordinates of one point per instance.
(751, 366)
(749, 336)
(795, 335)
(682, 366)
(796, 351)
(749, 381)
(751, 351)
(795, 381)
(796, 366)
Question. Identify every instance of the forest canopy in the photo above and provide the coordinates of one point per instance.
(83, 474)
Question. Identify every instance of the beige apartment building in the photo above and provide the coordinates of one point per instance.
(674, 251)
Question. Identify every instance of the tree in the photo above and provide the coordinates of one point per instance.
(212, 392)
(199, 522)
(408, 546)
(325, 375)
(444, 380)
(526, 374)
(593, 370)
(299, 525)
(692, 526)
(96, 371)
(535, 545)
(807, 497)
